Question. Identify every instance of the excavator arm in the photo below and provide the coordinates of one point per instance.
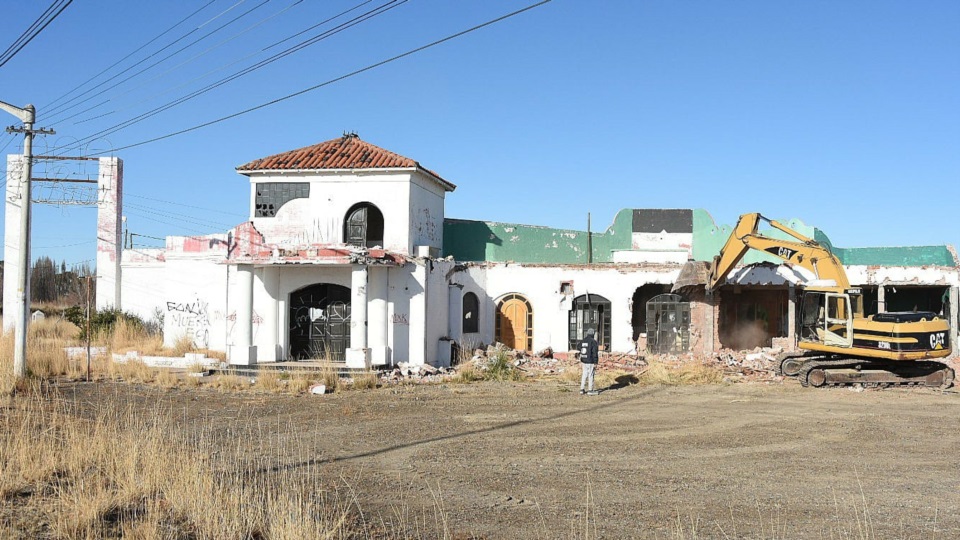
(803, 252)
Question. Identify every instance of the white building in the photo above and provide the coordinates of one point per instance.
(348, 255)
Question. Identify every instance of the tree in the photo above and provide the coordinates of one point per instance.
(43, 281)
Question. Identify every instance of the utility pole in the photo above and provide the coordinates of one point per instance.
(27, 115)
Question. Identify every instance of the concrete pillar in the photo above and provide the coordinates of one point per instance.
(11, 242)
(109, 232)
(792, 315)
(377, 317)
(881, 299)
(455, 311)
(243, 352)
(358, 355)
(270, 312)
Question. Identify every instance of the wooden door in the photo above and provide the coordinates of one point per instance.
(514, 323)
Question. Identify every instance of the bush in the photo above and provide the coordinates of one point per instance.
(101, 321)
(501, 368)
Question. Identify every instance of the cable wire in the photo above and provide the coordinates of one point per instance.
(165, 47)
(330, 81)
(391, 4)
(135, 51)
(33, 31)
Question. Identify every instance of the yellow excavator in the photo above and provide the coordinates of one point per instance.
(837, 344)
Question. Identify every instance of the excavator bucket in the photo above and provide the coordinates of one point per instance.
(693, 274)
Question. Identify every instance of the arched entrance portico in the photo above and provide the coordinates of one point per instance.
(320, 322)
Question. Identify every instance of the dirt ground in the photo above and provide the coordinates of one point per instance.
(536, 460)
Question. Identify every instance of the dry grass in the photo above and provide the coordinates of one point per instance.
(230, 383)
(330, 377)
(299, 383)
(134, 371)
(365, 381)
(133, 475)
(269, 380)
(182, 346)
(467, 373)
(125, 336)
(686, 373)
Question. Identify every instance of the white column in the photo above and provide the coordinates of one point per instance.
(109, 231)
(270, 329)
(243, 352)
(455, 311)
(377, 326)
(881, 299)
(11, 242)
(358, 355)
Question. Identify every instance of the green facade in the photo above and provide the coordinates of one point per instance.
(500, 242)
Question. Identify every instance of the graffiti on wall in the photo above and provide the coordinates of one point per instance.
(427, 227)
(194, 320)
(191, 319)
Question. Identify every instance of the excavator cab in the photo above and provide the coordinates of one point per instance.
(826, 317)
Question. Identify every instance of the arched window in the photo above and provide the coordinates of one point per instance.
(471, 314)
(363, 226)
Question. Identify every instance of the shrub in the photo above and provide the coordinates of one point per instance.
(101, 322)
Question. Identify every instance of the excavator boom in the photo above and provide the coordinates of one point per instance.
(802, 251)
(836, 343)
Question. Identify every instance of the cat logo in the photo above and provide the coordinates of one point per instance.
(785, 253)
(937, 340)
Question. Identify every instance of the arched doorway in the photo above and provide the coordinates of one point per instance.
(514, 325)
(320, 322)
(589, 311)
(363, 226)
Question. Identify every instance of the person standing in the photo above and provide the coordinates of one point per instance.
(589, 356)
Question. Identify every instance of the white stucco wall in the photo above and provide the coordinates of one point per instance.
(426, 213)
(540, 285)
(903, 275)
(319, 218)
(195, 302)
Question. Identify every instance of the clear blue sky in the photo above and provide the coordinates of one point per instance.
(844, 114)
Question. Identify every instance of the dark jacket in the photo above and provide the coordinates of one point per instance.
(589, 351)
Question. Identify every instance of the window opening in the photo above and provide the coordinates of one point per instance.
(589, 311)
(668, 324)
(272, 195)
(471, 309)
(364, 226)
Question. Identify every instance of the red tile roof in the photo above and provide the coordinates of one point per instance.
(347, 152)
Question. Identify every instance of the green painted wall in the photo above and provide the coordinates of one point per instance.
(498, 242)
(490, 241)
(708, 238)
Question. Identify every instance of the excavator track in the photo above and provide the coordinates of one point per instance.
(789, 363)
(843, 371)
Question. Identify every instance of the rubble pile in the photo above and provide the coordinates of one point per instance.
(759, 364)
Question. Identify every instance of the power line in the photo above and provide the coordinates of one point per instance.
(54, 110)
(391, 4)
(185, 205)
(330, 81)
(178, 66)
(42, 22)
(135, 51)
